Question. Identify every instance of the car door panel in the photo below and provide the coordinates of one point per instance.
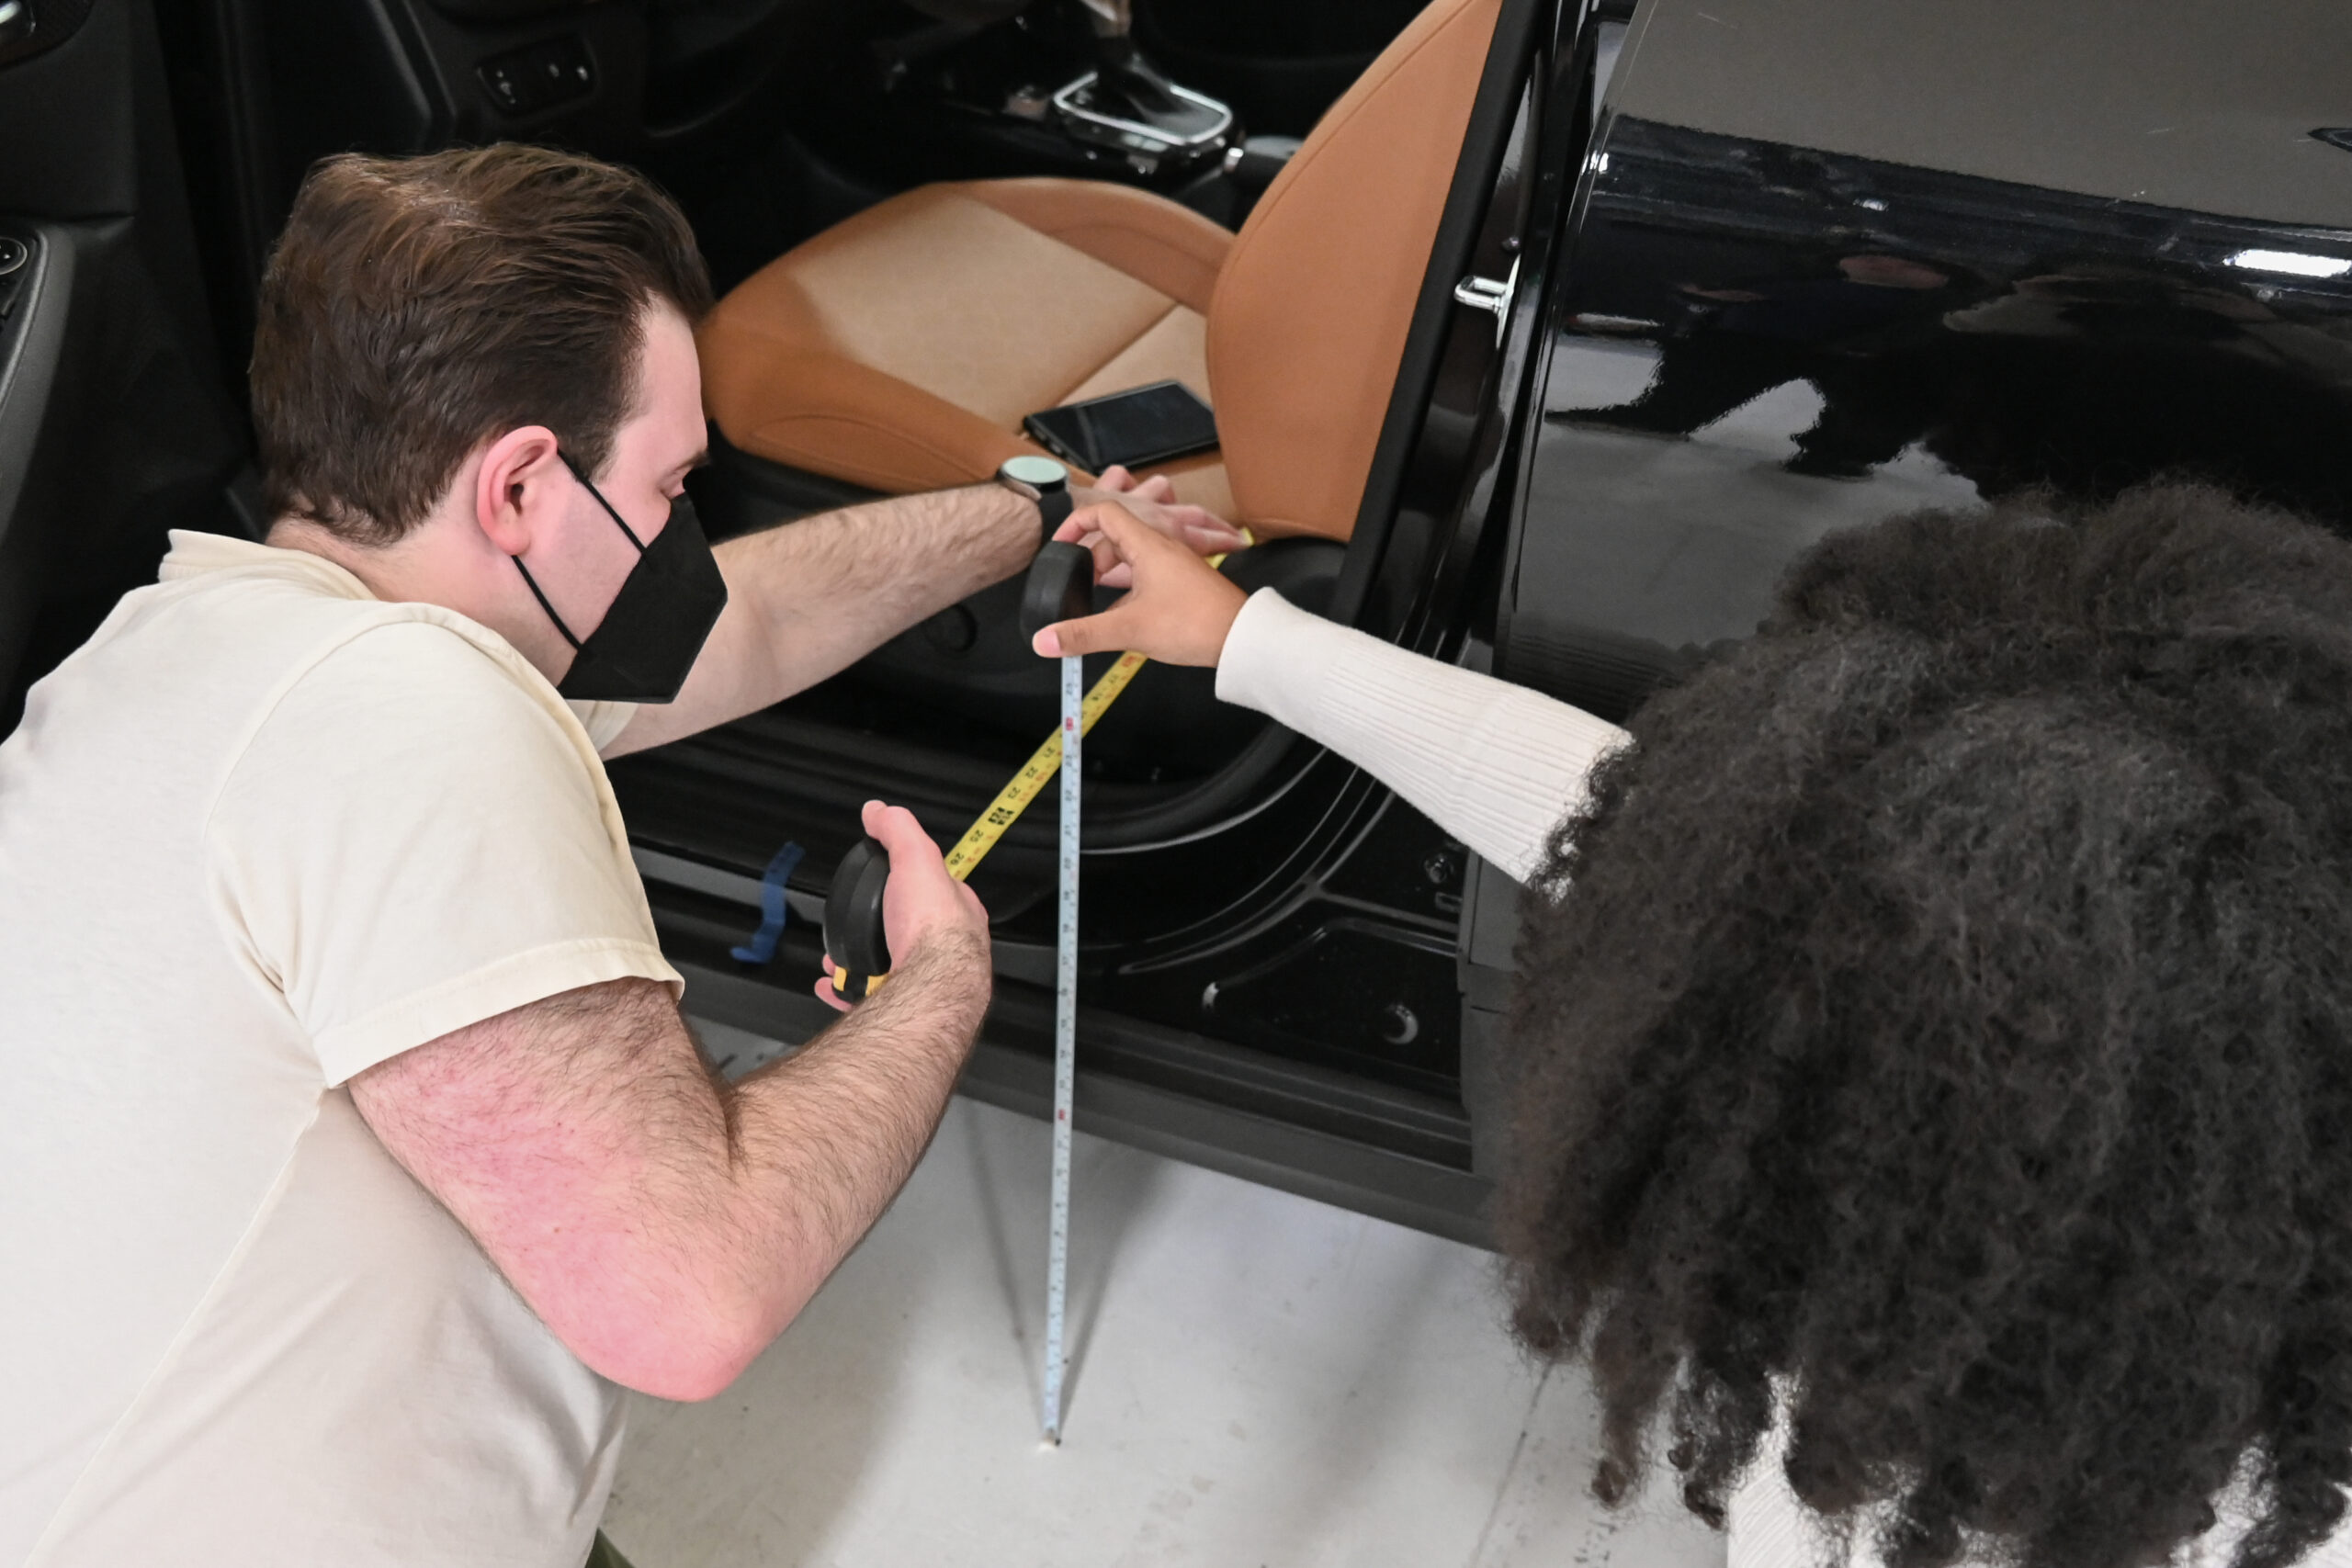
(34, 303)
(115, 420)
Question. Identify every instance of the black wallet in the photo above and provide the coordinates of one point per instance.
(1145, 425)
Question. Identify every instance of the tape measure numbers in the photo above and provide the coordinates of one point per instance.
(1045, 761)
(1076, 720)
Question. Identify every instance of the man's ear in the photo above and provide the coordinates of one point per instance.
(516, 486)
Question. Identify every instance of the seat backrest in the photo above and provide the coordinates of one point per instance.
(1307, 325)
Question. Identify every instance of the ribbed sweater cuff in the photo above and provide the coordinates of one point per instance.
(1496, 765)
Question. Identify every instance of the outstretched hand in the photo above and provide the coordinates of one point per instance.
(921, 903)
(1153, 503)
(1177, 609)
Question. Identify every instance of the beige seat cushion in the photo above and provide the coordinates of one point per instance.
(902, 348)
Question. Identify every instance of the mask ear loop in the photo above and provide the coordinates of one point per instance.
(607, 505)
(533, 582)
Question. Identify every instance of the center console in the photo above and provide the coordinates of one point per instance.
(1058, 88)
(1125, 104)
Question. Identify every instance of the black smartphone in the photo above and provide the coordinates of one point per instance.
(1143, 425)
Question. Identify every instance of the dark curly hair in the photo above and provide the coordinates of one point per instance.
(1936, 1034)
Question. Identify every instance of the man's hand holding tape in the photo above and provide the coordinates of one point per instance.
(921, 904)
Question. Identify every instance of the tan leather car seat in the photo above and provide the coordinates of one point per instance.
(902, 348)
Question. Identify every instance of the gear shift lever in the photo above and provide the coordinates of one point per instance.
(1120, 67)
(1110, 19)
(1127, 88)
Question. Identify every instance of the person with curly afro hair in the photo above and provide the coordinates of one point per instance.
(1936, 1050)
(1933, 1056)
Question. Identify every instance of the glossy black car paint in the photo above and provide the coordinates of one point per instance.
(1768, 336)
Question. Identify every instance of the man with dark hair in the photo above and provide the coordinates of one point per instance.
(1933, 1057)
(356, 1146)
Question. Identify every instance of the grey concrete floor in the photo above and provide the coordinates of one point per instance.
(1255, 1378)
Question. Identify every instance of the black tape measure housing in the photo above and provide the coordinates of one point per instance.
(854, 939)
(1059, 587)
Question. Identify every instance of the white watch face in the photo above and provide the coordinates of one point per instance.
(1039, 473)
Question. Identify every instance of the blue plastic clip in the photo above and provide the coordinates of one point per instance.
(772, 909)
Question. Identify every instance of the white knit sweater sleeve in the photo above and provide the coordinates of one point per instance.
(1496, 765)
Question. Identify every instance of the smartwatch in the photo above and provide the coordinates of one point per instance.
(1044, 482)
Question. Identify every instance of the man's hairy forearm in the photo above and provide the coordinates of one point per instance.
(823, 1140)
(664, 1225)
(808, 599)
(832, 587)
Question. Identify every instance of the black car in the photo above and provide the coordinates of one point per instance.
(1698, 281)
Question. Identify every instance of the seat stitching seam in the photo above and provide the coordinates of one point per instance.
(857, 422)
(1177, 254)
(1157, 322)
(1095, 225)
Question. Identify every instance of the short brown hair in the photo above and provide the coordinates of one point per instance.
(415, 308)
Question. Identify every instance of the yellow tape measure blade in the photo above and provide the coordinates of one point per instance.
(1043, 765)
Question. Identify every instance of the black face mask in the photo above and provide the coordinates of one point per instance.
(650, 639)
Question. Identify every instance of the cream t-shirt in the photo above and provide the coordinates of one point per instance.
(261, 833)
